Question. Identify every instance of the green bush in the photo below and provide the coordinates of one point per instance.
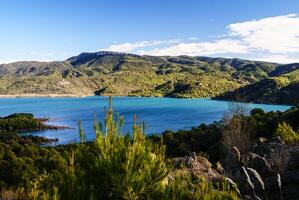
(287, 133)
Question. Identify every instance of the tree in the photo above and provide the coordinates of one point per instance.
(238, 127)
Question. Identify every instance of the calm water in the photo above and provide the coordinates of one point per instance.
(158, 113)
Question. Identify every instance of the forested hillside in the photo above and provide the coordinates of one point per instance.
(283, 89)
(110, 73)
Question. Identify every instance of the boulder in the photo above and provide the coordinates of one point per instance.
(199, 167)
(260, 164)
(293, 160)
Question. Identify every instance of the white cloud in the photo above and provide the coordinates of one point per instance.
(277, 58)
(273, 39)
(193, 38)
(273, 34)
(130, 47)
(30, 56)
(200, 48)
(126, 47)
(5, 61)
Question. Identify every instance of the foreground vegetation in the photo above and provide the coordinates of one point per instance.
(208, 139)
(259, 151)
(253, 157)
(113, 166)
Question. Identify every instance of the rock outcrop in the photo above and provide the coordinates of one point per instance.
(200, 167)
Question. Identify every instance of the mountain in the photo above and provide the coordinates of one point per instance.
(111, 73)
(282, 87)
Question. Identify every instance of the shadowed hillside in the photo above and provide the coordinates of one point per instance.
(283, 89)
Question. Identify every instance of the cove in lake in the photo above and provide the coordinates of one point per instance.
(158, 114)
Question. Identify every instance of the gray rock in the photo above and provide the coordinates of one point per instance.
(260, 164)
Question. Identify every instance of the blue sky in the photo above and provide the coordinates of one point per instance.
(49, 30)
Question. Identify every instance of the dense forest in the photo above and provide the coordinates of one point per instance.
(240, 157)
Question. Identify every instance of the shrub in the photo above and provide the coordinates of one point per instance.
(287, 133)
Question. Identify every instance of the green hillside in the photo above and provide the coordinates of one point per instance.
(278, 90)
(109, 73)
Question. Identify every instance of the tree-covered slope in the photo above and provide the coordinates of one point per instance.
(272, 90)
(110, 73)
(284, 69)
(281, 87)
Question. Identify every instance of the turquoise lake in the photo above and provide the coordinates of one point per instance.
(158, 114)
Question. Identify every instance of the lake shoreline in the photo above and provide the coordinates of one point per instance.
(41, 95)
(159, 113)
(113, 95)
